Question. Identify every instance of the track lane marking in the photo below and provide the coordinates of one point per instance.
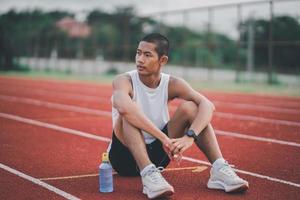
(53, 127)
(86, 97)
(66, 95)
(69, 177)
(257, 119)
(246, 172)
(252, 118)
(105, 139)
(195, 169)
(55, 105)
(256, 138)
(106, 113)
(271, 108)
(93, 111)
(257, 107)
(38, 182)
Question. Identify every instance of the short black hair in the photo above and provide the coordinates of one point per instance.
(161, 42)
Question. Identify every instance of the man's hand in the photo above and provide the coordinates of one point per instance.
(181, 144)
(169, 147)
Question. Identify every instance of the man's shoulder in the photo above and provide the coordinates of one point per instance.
(122, 80)
(178, 85)
(174, 80)
(122, 77)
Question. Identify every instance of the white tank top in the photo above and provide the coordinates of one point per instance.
(152, 101)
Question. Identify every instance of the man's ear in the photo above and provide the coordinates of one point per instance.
(164, 60)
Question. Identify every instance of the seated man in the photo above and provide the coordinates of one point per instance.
(143, 134)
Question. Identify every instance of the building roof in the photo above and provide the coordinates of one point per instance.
(74, 28)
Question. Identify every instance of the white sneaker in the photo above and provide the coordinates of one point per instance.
(154, 184)
(226, 179)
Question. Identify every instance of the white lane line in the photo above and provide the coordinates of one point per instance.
(52, 126)
(105, 139)
(70, 95)
(108, 114)
(251, 118)
(66, 95)
(258, 107)
(273, 106)
(55, 105)
(257, 119)
(38, 182)
(93, 111)
(262, 139)
(275, 103)
(246, 172)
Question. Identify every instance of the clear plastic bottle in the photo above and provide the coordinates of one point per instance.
(105, 175)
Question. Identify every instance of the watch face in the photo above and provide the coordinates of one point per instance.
(190, 133)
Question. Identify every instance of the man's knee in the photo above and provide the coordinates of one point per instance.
(188, 109)
(126, 125)
(128, 128)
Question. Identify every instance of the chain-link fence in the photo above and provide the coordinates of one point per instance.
(248, 37)
(251, 37)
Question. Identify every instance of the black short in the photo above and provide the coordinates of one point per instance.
(123, 162)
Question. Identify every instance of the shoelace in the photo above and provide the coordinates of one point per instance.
(226, 169)
(155, 175)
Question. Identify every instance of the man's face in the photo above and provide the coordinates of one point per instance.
(146, 59)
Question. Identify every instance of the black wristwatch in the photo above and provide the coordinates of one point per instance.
(191, 133)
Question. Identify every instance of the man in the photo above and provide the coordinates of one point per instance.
(143, 135)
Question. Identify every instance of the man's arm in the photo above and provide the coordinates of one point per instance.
(131, 112)
(178, 88)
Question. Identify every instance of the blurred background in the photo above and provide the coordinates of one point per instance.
(211, 41)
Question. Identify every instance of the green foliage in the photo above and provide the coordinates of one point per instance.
(286, 34)
(196, 49)
(27, 33)
(114, 36)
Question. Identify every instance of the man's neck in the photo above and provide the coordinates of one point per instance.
(151, 81)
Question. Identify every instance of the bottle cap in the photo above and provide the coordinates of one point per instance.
(105, 157)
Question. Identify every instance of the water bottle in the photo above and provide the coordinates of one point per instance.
(105, 175)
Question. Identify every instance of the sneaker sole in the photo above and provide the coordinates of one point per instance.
(241, 189)
(229, 189)
(158, 194)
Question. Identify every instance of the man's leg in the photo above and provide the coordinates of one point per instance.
(181, 121)
(222, 175)
(132, 138)
(154, 185)
(209, 145)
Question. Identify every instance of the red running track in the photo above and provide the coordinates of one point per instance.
(37, 148)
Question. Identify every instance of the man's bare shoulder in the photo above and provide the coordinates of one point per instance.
(179, 88)
(175, 81)
(122, 79)
(175, 87)
(122, 82)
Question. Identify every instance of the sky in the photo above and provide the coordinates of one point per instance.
(79, 5)
(142, 6)
(224, 20)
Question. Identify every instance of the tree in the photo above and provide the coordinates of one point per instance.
(27, 33)
(286, 48)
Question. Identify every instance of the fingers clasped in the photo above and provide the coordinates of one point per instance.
(181, 144)
(175, 147)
